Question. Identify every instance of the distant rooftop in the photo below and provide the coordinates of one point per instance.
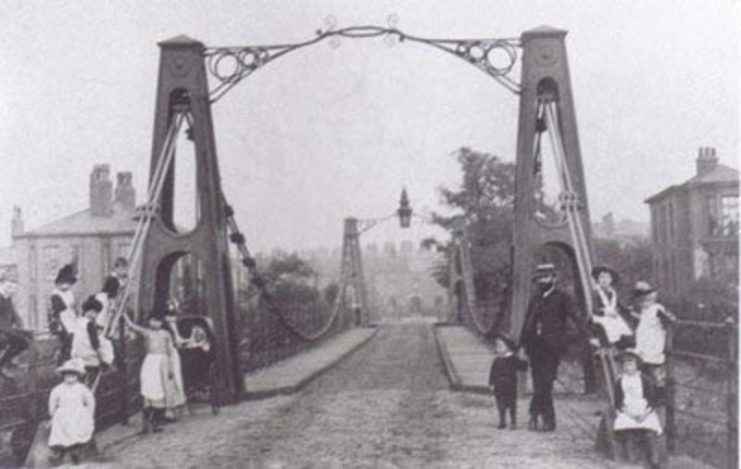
(120, 221)
(708, 171)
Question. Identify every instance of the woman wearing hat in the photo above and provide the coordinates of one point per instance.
(62, 315)
(614, 329)
(156, 370)
(72, 410)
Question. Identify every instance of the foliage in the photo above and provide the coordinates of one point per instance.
(485, 199)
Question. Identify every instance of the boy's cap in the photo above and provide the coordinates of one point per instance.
(544, 270)
(643, 288)
(508, 340)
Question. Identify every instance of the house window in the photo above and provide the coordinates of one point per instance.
(729, 215)
(712, 211)
(670, 221)
(51, 262)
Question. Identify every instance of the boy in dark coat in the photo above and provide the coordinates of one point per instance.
(503, 379)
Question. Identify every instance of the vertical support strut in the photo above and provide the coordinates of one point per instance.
(352, 270)
(183, 87)
(545, 76)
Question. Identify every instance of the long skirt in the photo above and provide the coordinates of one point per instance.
(624, 421)
(174, 390)
(153, 378)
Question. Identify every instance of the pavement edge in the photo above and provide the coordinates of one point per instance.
(285, 390)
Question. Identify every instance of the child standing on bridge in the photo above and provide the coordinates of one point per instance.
(635, 403)
(72, 407)
(503, 380)
(156, 370)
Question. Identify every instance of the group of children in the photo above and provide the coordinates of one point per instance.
(84, 350)
(83, 354)
(639, 390)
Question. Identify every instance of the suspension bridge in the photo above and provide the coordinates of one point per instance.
(412, 417)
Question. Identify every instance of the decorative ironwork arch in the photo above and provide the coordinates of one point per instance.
(230, 65)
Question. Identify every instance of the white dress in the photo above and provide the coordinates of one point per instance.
(82, 348)
(67, 316)
(174, 389)
(611, 321)
(650, 336)
(72, 407)
(635, 404)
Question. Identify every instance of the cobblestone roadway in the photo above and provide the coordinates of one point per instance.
(388, 405)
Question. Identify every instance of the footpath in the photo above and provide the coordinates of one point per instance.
(294, 373)
(467, 359)
(284, 377)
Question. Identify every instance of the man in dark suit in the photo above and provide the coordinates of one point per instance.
(544, 337)
(13, 339)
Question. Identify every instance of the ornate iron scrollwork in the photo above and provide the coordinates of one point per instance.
(230, 65)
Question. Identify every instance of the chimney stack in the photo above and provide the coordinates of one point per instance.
(706, 160)
(125, 194)
(101, 191)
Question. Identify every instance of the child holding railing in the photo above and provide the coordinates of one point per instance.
(156, 369)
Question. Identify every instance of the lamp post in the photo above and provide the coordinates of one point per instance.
(404, 211)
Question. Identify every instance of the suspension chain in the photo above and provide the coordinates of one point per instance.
(238, 239)
(468, 284)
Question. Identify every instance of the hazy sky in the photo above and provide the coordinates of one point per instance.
(324, 133)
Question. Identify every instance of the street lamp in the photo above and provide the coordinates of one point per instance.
(405, 211)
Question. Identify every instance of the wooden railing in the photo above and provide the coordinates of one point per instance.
(23, 402)
(702, 390)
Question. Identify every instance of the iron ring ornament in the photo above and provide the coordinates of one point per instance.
(568, 202)
(230, 65)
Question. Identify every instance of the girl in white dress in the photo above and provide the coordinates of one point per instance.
(615, 330)
(72, 410)
(653, 319)
(635, 404)
(155, 371)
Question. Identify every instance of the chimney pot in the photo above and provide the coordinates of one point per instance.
(706, 160)
(101, 191)
(125, 194)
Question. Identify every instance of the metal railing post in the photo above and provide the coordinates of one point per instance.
(123, 369)
(732, 395)
(670, 420)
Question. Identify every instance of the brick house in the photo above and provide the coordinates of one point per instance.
(91, 239)
(694, 227)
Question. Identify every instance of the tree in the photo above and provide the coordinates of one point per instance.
(485, 199)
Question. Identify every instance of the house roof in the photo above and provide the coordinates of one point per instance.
(721, 173)
(84, 223)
